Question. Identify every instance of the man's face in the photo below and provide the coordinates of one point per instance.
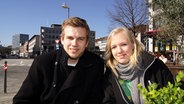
(74, 41)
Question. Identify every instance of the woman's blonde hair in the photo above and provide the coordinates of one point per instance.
(138, 47)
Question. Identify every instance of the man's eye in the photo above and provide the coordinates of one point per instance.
(82, 38)
(70, 38)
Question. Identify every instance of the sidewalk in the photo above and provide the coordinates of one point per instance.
(15, 77)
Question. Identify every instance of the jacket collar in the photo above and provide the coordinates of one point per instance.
(74, 77)
(147, 59)
(64, 56)
(82, 60)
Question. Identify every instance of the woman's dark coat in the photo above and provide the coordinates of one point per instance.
(155, 71)
(82, 86)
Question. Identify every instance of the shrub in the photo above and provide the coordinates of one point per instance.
(171, 94)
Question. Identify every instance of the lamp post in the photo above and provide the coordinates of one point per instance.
(66, 7)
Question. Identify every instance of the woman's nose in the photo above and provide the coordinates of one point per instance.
(119, 49)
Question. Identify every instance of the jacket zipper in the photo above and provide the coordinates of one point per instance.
(145, 72)
(121, 91)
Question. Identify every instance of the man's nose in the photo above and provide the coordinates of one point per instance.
(74, 42)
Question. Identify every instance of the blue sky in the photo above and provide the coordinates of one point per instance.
(27, 16)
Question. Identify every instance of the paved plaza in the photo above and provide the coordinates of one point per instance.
(16, 73)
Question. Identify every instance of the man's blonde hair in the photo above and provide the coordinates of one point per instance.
(75, 22)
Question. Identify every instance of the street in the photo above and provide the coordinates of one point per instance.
(16, 73)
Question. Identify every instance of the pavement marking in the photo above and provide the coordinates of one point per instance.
(21, 62)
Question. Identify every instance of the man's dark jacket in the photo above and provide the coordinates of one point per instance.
(82, 86)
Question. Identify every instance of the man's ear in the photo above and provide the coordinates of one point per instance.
(87, 44)
(61, 42)
(61, 39)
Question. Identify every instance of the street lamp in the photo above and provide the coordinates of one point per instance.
(66, 7)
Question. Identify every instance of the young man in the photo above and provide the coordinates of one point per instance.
(72, 75)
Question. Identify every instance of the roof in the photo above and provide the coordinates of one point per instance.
(152, 32)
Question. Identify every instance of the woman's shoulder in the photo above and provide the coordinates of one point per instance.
(159, 66)
(108, 72)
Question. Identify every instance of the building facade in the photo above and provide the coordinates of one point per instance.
(91, 44)
(48, 35)
(34, 46)
(101, 43)
(17, 41)
(23, 50)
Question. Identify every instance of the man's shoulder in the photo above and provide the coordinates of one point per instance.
(46, 57)
(93, 56)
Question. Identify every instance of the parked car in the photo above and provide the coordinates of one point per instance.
(2, 56)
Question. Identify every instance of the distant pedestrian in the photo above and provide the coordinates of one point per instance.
(174, 58)
(163, 58)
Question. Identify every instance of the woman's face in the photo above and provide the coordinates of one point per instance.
(121, 47)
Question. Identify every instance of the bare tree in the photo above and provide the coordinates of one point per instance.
(129, 13)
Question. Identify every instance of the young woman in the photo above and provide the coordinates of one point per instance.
(128, 65)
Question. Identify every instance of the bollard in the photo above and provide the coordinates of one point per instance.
(5, 76)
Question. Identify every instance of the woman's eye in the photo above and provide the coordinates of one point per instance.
(113, 47)
(123, 44)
